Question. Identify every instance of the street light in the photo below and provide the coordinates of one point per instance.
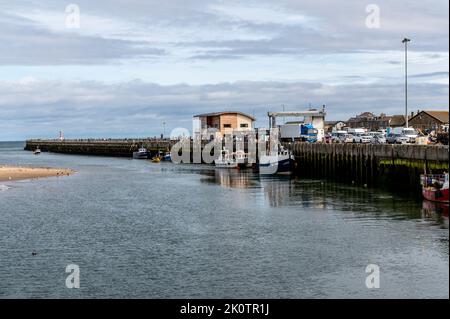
(164, 128)
(405, 41)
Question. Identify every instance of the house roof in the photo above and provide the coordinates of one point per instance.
(366, 114)
(333, 122)
(397, 120)
(225, 112)
(441, 116)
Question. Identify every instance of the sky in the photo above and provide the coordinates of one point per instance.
(135, 68)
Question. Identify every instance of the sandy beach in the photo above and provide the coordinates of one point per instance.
(9, 173)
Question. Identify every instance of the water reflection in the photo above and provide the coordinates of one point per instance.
(235, 178)
(436, 212)
(354, 202)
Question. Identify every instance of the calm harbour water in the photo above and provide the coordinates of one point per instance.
(142, 230)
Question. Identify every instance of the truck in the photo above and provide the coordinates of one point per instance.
(298, 132)
(290, 132)
(308, 133)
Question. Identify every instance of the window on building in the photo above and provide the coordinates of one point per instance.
(227, 125)
(244, 124)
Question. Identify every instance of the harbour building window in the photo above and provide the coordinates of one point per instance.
(227, 125)
(244, 124)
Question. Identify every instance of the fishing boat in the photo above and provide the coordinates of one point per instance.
(226, 160)
(281, 163)
(167, 157)
(37, 151)
(142, 153)
(435, 187)
(242, 159)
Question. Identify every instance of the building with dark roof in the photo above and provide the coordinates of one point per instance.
(430, 120)
(369, 121)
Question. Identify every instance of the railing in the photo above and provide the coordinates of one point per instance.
(434, 180)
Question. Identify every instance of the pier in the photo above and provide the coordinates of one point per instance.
(369, 164)
(100, 147)
(359, 164)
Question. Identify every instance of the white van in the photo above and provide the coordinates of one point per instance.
(406, 134)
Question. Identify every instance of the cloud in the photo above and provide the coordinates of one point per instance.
(119, 29)
(431, 74)
(251, 57)
(31, 44)
(34, 108)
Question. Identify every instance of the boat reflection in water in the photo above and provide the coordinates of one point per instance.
(435, 211)
(357, 203)
(235, 178)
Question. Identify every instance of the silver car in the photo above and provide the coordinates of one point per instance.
(378, 139)
(392, 138)
(361, 138)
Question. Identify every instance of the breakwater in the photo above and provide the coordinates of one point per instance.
(107, 147)
(360, 164)
(368, 164)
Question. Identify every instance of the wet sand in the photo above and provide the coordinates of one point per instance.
(12, 173)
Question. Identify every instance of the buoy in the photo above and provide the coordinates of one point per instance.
(34, 253)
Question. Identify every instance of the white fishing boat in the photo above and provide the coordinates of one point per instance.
(142, 153)
(37, 151)
(281, 163)
(242, 159)
(226, 160)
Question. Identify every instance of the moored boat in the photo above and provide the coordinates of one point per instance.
(226, 160)
(142, 153)
(281, 163)
(242, 159)
(167, 157)
(156, 159)
(435, 187)
(37, 151)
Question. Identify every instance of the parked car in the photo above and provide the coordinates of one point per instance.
(404, 139)
(392, 138)
(338, 136)
(378, 139)
(328, 138)
(361, 138)
(348, 138)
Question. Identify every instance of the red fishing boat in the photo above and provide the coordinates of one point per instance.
(435, 187)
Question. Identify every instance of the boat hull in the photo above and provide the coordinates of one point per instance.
(435, 195)
(231, 165)
(276, 165)
(139, 155)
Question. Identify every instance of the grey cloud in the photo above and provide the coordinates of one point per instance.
(138, 108)
(336, 27)
(431, 74)
(30, 44)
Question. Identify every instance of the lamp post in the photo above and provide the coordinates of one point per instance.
(164, 128)
(405, 41)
